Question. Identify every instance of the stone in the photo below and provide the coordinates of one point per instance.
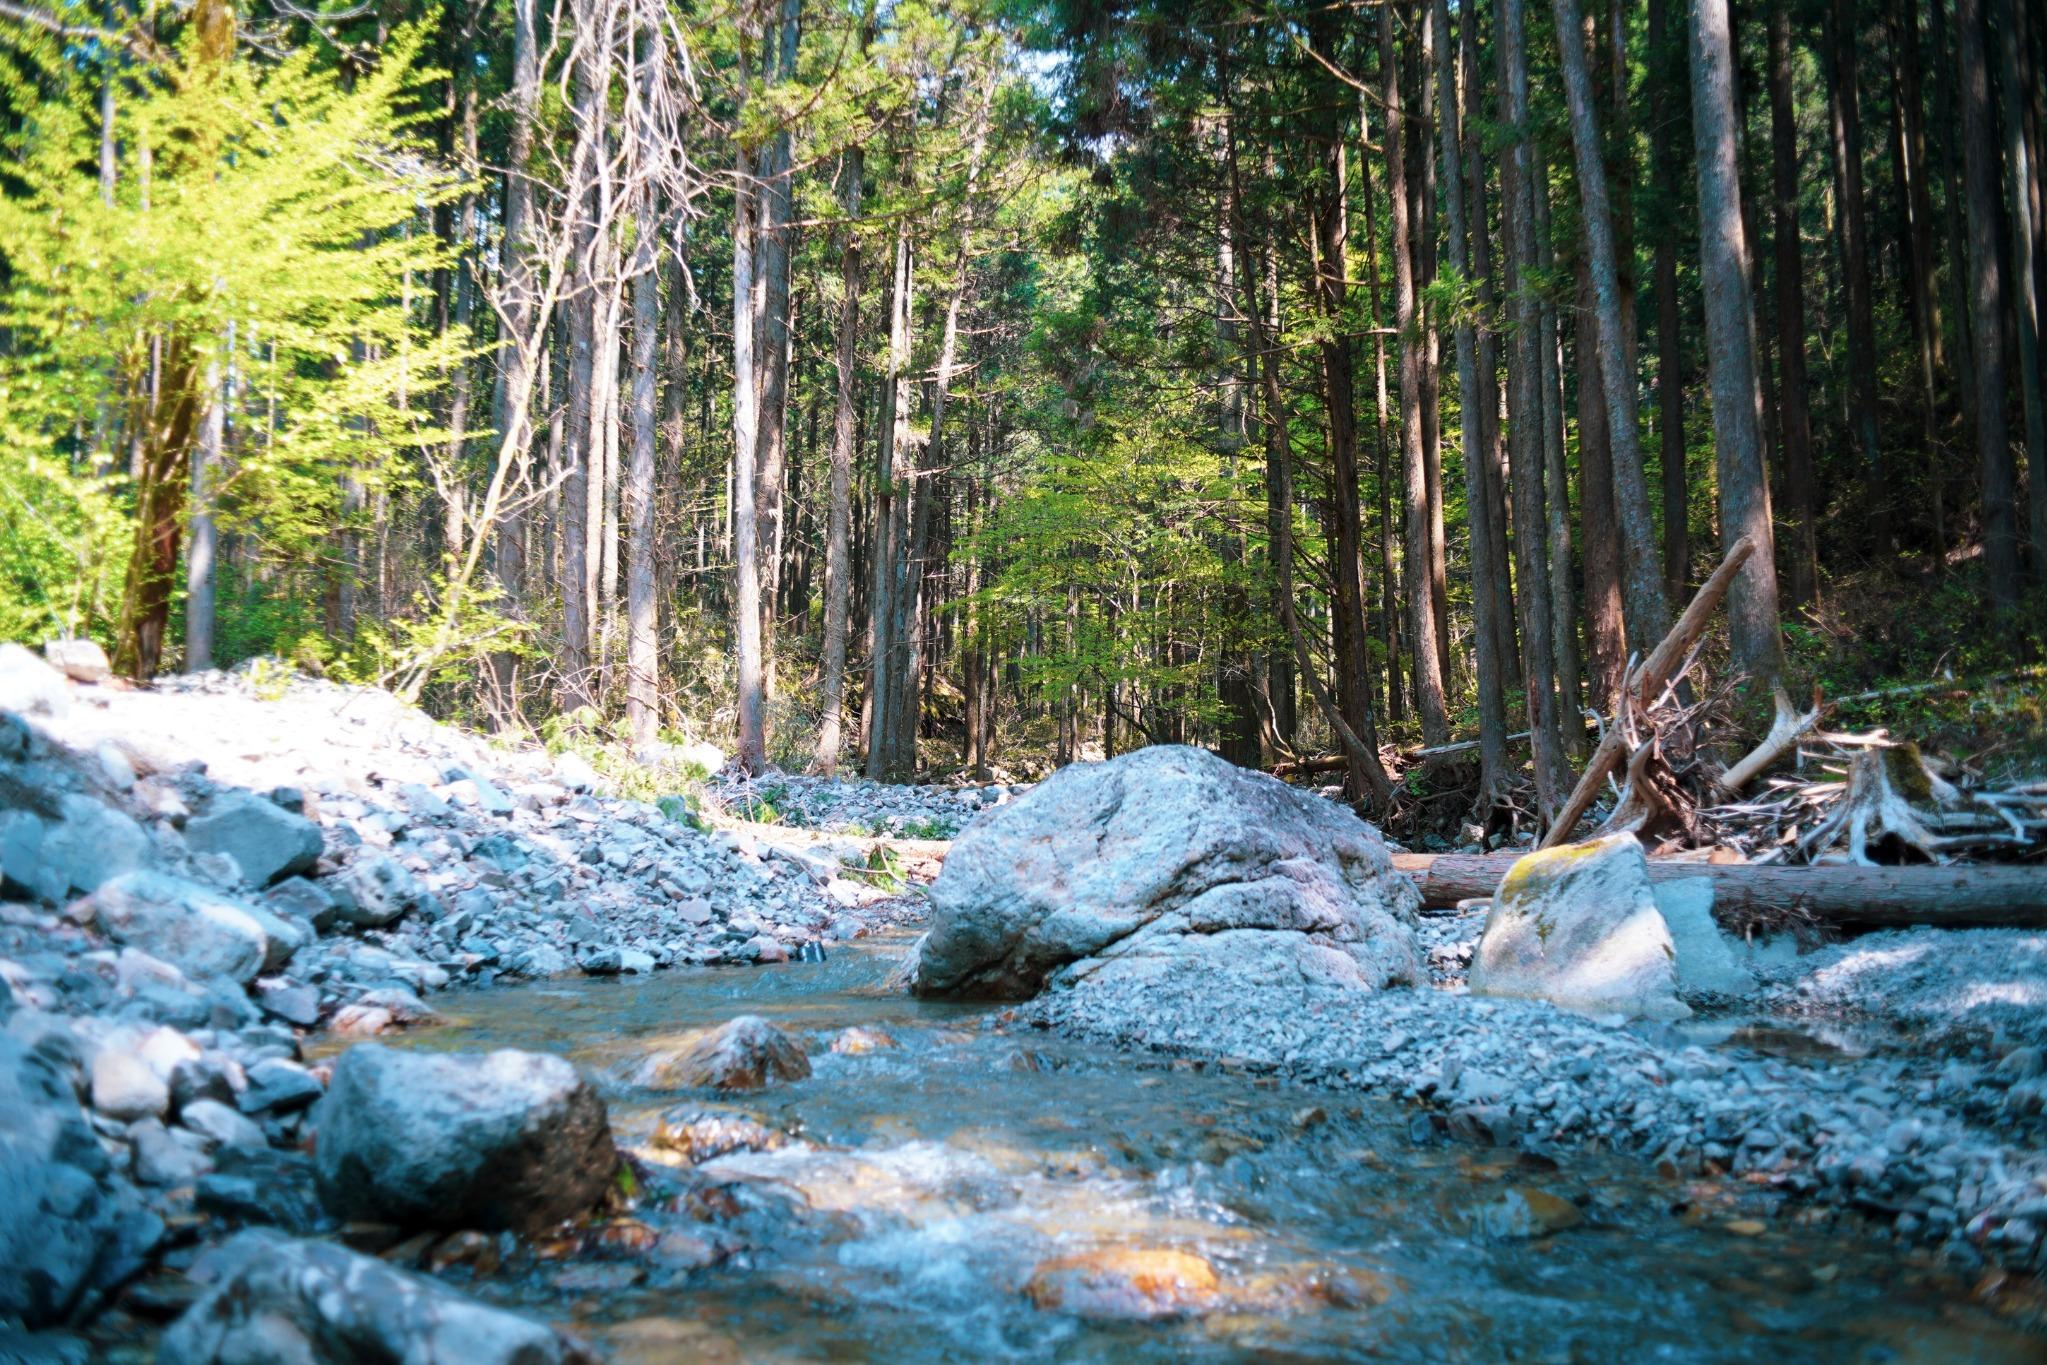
(360, 1021)
(266, 841)
(300, 900)
(573, 771)
(1578, 926)
(91, 843)
(295, 1002)
(67, 1230)
(1527, 1212)
(79, 660)
(859, 1040)
(503, 1140)
(1124, 1283)
(746, 1053)
(198, 931)
(374, 890)
(163, 1159)
(29, 685)
(275, 1298)
(260, 1187)
(221, 1126)
(1167, 861)
(278, 1086)
(125, 1088)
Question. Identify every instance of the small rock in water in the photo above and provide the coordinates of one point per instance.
(1528, 1212)
(857, 1040)
(1123, 1283)
(746, 1053)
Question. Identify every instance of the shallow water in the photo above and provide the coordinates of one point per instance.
(949, 1169)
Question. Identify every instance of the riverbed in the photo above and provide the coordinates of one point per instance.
(944, 1196)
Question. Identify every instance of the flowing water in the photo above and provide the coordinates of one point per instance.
(942, 1181)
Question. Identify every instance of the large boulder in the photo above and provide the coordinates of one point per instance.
(507, 1139)
(200, 932)
(1167, 864)
(29, 685)
(67, 1228)
(266, 841)
(276, 1298)
(746, 1053)
(375, 889)
(79, 660)
(56, 844)
(1578, 926)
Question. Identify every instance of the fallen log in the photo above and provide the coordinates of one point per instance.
(1970, 895)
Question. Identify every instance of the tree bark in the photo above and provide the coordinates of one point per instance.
(1648, 607)
(1730, 345)
(643, 656)
(1794, 415)
(845, 418)
(751, 749)
(1845, 115)
(1428, 673)
(1670, 362)
(774, 200)
(1987, 302)
(203, 539)
(2020, 185)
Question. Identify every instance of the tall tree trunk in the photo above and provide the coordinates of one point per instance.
(1670, 362)
(1730, 345)
(845, 418)
(1525, 456)
(893, 490)
(1845, 115)
(1428, 672)
(2020, 186)
(643, 656)
(774, 198)
(1563, 597)
(204, 541)
(1987, 303)
(1606, 633)
(1648, 606)
(517, 307)
(751, 755)
(1910, 116)
(1492, 709)
(1794, 415)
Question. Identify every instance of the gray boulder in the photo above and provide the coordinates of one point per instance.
(55, 845)
(266, 841)
(1578, 926)
(276, 1298)
(67, 1228)
(373, 890)
(79, 660)
(746, 1053)
(1167, 863)
(507, 1139)
(198, 931)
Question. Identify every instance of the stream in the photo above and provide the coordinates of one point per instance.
(941, 1182)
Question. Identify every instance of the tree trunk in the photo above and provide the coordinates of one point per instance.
(2020, 185)
(643, 656)
(774, 197)
(1730, 346)
(1793, 411)
(1648, 607)
(892, 494)
(1428, 673)
(845, 417)
(751, 755)
(1670, 363)
(1563, 612)
(1845, 115)
(1606, 636)
(1492, 709)
(204, 541)
(1525, 456)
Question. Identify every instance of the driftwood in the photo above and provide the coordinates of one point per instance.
(1785, 732)
(1645, 684)
(2007, 895)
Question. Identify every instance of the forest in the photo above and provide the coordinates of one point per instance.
(965, 388)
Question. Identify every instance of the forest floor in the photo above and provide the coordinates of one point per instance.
(1899, 1076)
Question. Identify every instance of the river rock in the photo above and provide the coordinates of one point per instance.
(374, 890)
(1124, 1283)
(507, 1139)
(125, 1088)
(1167, 862)
(29, 685)
(747, 1053)
(79, 660)
(198, 931)
(67, 1228)
(266, 841)
(277, 1298)
(1578, 926)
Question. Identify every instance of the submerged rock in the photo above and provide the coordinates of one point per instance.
(1124, 1283)
(1167, 864)
(503, 1140)
(280, 1299)
(1579, 926)
(746, 1053)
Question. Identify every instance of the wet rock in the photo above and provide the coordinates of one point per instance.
(1126, 866)
(1122, 1283)
(67, 1229)
(1527, 1212)
(1578, 926)
(267, 842)
(79, 660)
(275, 1298)
(360, 1021)
(857, 1041)
(295, 1002)
(200, 932)
(696, 1136)
(260, 1187)
(277, 1085)
(746, 1053)
(504, 1140)
(220, 1125)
